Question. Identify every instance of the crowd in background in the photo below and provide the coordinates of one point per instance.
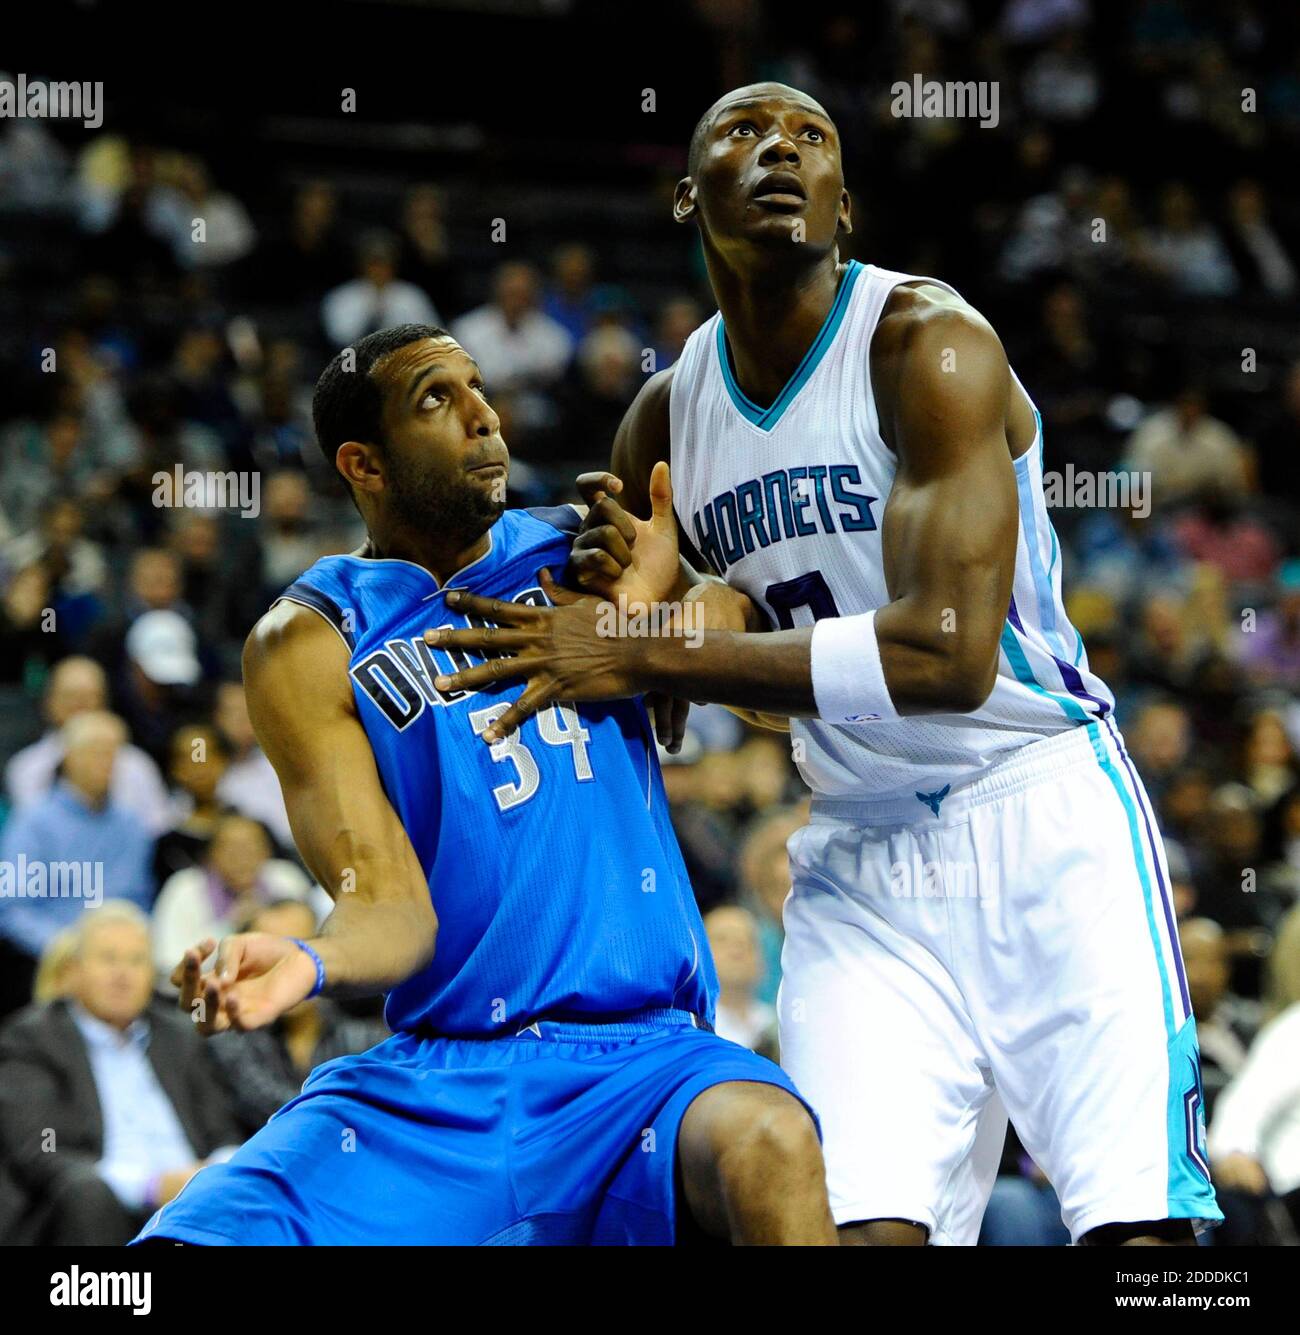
(1161, 345)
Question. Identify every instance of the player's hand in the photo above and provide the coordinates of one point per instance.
(618, 555)
(256, 978)
(569, 651)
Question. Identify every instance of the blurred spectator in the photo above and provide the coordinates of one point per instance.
(123, 1089)
(52, 970)
(1187, 454)
(1258, 251)
(71, 848)
(208, 900)
(153, 584)
(741, 1016)
(1225, 1023)
(289, 540)
(570, 298)
(606, 376)
(1187, 249)
(1224, 534)
(76, 686)
(1268, 647)
(310, 257)
(249, 784)
(162, 665)
(679, 318)
(1254, 1139)
(265, 1068)
(376, 299)
(1159, 738)
(765, 880)
(42, 463)
(518, 348)
(198, 762)
(425, 257)
(1268, 761)
(227, 233)
(1061, 82)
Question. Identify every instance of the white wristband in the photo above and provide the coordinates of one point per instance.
(848, 677)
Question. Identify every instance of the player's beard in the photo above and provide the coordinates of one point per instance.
(425, 501)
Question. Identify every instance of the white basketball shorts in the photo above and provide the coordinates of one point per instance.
(1007, 944)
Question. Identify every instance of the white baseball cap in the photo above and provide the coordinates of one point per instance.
(162, 644)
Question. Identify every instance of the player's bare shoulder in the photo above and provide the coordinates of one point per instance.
(293, 651)
(926, 330)
(930, 348)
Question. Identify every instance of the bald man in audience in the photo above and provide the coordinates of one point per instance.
(68, 851)
(121, 1088)
(77, 685)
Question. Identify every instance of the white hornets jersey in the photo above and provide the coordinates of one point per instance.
(786, 504)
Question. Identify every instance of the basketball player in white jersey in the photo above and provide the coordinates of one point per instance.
(980, 917)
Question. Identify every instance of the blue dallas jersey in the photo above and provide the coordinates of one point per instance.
(558, 884)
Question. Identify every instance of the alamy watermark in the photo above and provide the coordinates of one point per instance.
(948, 879)
(37, 879)
(928, 99)
(190, 489)
(39, 99)
(1083, 489)
(656, 620)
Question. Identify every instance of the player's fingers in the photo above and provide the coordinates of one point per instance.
(491, 609)
(592, 487)
(679, 711)
(610, 511)
(658, 705)
(609, 538)
(487, 674)
(593, 571)
(661, 497)
(536, 697)
(480, 639)
(212, 1018)
(559, 596)
(186, 974)
(230, 958)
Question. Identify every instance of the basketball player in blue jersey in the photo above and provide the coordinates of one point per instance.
(980, 921)
(553, 1076)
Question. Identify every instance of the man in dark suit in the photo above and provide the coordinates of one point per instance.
(108, 1102)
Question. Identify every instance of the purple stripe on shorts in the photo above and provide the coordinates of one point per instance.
(1165, 897)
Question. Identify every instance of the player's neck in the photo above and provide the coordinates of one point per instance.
(772, 315)
(441, 558)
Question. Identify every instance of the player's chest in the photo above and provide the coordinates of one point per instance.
(393, 670)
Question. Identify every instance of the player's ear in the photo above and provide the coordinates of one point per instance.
(359, 464)
(684, 200)
(845, 223)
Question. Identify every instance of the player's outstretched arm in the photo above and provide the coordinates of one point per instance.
(949, 544)
(383, 926)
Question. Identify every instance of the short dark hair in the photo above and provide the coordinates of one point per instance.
(347, 404)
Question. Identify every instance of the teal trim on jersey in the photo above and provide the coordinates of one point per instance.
(766, 418)
(1043, 592)
(1130, 811)
(1190, 1194)
(1025, 675)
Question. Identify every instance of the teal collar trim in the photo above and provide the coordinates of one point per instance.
(766, 418)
